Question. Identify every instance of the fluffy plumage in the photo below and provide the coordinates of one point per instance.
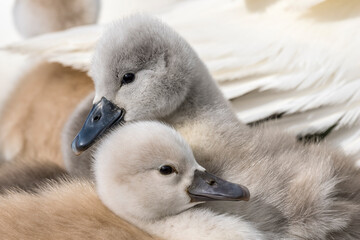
(32, 121)
(129, 183)
(70, 210)
(29, 176)
(299, 191)
(286, 60)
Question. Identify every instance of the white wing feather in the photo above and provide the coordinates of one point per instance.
(297, 59)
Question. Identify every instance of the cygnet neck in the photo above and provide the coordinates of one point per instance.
(204, 101)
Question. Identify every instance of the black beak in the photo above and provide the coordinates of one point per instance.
(207, 187)
(102, 116)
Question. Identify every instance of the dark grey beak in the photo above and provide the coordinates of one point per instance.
(208, 187)
(102, 117)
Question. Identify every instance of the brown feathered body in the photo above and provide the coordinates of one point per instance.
(29, 176)
(33, 117)
(31, 125)
(70, 210)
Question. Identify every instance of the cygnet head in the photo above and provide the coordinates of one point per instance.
(145, 171)
(142, 70)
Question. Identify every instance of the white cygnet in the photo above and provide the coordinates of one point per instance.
(147, 174)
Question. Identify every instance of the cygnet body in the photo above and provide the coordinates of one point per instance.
(153, 182)
(157, 181)
(143, 70)
(34, 115)
(29, 126)
(70, 209)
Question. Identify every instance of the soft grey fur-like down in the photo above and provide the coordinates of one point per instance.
(298, 191)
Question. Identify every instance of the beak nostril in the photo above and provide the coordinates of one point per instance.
(97, 118)
(211, 182)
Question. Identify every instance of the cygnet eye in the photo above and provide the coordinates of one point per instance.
(167, 169)
(128, 78)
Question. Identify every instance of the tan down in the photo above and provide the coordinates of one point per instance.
(34, 115)
(52, 215)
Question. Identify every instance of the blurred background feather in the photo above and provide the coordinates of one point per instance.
(294, 64)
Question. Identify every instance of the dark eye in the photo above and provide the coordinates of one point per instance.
(166, 170)
(128, 78)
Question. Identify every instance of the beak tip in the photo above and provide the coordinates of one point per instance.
(246, 195)
(74, 146)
